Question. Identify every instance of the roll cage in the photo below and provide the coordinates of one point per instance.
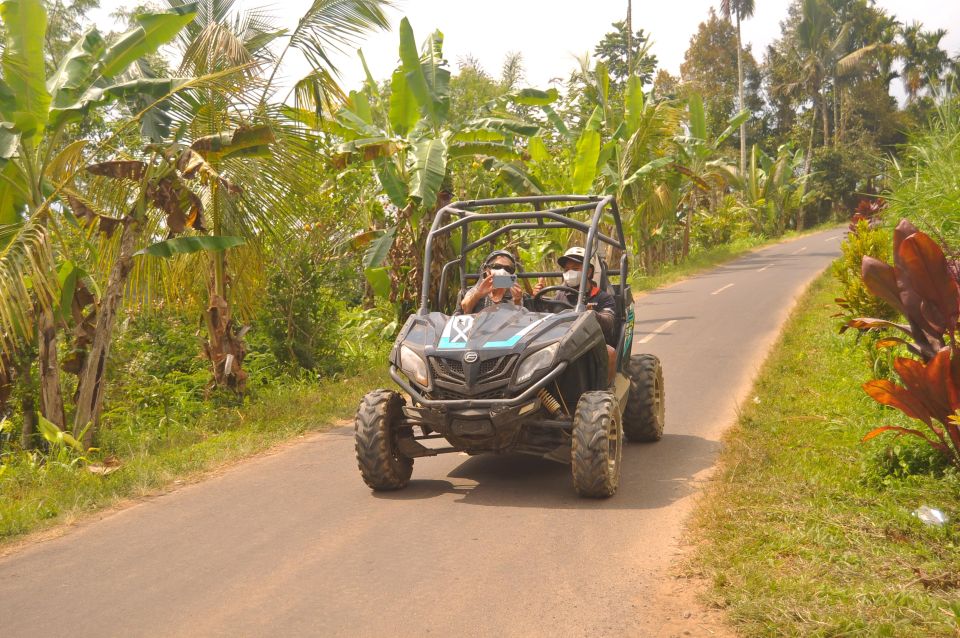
(559, 215)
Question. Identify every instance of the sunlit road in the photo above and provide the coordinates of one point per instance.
(294, 543)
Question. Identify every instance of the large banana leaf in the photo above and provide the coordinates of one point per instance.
(557, 122)
(365, 149)
(25, 24)
(243, 141)
(429, 170)
(361, 106)
(585, 166)
(503, 126)
(379, 248)
(603, 83)
(153, 31)
(436, 74)
(153, 89)
(698, 120)
(11, 197)
(489, 149)
(72, 77)
(392, 182)
(9, 141)
(538, 149)
(633, 102)
(416, 80)
(477, 135)
(403, 105)
(733, 124)
(517, 179)
(533, 97)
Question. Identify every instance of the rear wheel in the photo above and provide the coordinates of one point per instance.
(596, 445)
(376, 430)
(644, 413)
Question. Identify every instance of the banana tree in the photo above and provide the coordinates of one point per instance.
(636, 167)
(36, 113)
(699, 161)
(772, 188)
(410, 142)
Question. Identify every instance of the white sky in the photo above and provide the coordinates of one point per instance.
(550, 32)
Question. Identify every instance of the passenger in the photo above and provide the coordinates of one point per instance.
(599, 301)
(483, 294)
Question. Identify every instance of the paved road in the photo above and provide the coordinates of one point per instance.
(294, 544)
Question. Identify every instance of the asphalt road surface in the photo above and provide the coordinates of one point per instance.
(293, 543)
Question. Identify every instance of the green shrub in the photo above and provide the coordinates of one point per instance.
(729, 223)
(857, 301)
(300, 311)
(902, 459)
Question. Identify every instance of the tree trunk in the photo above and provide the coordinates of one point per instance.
(743, 126)
(836, 116)
(51, 395)
(6, 384)
(807, 163)
(28, 430)
(225, 347)
(90, 385)
(826, 121)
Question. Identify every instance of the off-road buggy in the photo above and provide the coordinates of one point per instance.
(509, 379)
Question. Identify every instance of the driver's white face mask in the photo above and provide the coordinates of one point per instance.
(571, 278)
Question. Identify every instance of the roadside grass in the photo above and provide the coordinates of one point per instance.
(35, 495)
(806, 531)
(708, 258)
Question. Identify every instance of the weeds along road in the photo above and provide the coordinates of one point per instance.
(294, 543)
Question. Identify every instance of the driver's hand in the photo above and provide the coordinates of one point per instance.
(541, 283)
(517, 293)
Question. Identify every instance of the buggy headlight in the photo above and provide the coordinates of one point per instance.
(413, 365)
(537, 361)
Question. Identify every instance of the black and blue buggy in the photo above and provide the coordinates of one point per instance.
(511, 379)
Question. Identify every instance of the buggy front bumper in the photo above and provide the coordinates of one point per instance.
(464, 404)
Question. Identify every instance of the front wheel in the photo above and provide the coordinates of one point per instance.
(645, 411)
(596, 446)
(376, 430)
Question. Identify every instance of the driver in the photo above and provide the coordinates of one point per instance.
(599, 301)
(483, 294)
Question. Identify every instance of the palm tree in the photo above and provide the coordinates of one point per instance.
(223, 37)
(740, 10)
(923, 60)
(821, 57)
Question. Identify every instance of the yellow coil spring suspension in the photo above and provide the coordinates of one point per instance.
(551, 404)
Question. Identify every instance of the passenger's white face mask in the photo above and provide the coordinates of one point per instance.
(571, 278)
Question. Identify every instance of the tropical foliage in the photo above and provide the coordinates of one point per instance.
(169, 175)
(922, 287)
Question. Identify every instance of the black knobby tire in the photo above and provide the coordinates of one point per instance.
(597, 444)
(382, 466)
(644, 413)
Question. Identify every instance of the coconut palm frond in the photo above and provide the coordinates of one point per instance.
(318, 92)
(28, 278)
(337, 25)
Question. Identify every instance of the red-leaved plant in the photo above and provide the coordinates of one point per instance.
(921, 285)
(868, 210)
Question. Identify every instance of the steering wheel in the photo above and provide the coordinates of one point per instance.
(553, 305)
